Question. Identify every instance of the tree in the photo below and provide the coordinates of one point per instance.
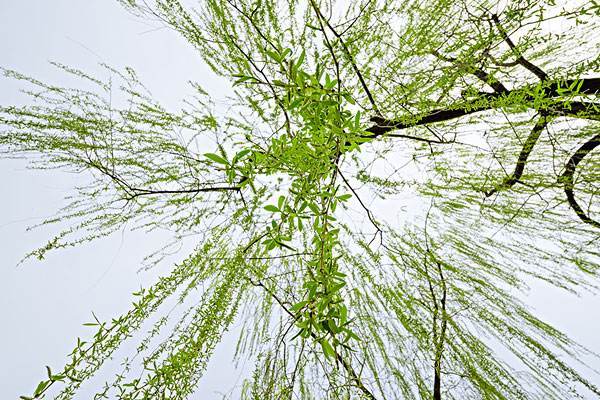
(478, 116)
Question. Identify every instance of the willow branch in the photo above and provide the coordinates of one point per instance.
(567, 178)
(534, 69)
(488, 101)
(528, 146)
(478, 72)
(346, 364)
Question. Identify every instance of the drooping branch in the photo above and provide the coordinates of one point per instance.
(351, 60)
(567, 178)
(439, 344)
(530, 142)
(367, 210)
(439, 307)
(345, 363)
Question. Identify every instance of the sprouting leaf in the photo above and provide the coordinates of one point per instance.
(285, 53)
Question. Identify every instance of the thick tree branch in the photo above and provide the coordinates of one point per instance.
(567, 178)
(577, 109)
(530, 142)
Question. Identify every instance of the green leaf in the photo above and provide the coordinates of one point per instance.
(242, 153)
(271, 208)
(295, 103)
(243, 79)
(40, 388)
(273, 55)
(349, 98)
(351, 335)
(298, 306)
(216, 158)
(331, 325)
(300, 59)
(314, 208)
(327, 349)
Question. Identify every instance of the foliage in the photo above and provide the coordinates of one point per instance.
(388, 179)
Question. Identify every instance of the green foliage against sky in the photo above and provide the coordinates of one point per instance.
(369, 206)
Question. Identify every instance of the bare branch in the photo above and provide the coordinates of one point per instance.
(567, 178)
(537, 71)
(530, 142)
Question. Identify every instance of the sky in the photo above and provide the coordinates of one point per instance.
(44, 304)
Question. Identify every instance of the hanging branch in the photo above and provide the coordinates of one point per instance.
(345, 363)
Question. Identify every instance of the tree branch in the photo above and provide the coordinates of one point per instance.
(567, 178)
(347, 366)
(577, 109)
(534, 69)
(350, 59)
(478, 72)
(530, 142)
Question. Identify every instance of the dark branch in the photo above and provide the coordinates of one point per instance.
(487, 101)
(534, 69)
(146, 192)
(133, 192)
(383, 125)
(350, 60)
(530, 142)
(567, 178)
(478, 72)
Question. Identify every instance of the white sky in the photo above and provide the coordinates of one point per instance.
(43, 304)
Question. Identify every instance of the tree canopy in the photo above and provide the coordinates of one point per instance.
(369, 206)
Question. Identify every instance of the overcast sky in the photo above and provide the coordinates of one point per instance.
(43, 304)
